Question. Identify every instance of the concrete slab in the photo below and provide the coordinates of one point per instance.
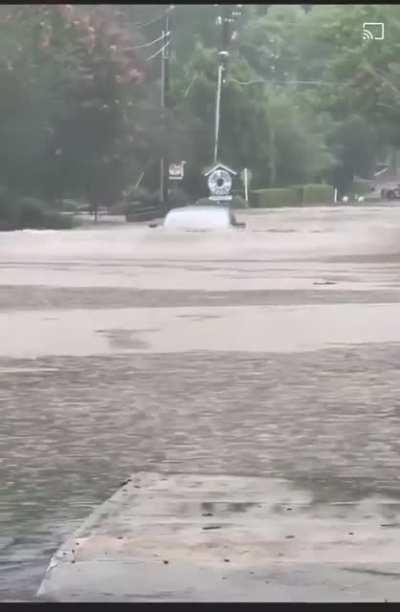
(197, 537)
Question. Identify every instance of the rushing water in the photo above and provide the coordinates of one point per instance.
(76, 420)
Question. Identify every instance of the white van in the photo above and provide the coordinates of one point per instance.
(201, 218)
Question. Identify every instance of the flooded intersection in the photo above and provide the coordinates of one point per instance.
(271, 352)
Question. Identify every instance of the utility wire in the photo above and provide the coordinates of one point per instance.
(158, 52)
(187, 90)
(155, 20)
(152, 42)
(259, 81)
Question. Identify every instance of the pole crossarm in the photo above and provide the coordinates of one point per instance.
(157, 53)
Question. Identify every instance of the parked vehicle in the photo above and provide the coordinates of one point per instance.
(391, 193)
(201, 218)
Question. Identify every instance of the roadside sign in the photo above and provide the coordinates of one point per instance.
(246, 175)
(177, 171)
(220, 182)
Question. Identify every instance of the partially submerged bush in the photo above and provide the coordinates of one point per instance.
(275, 197)
(238, 202)
(133, 207)
(177, 197)
(139, 211)
(8, 210)
(297, 195)
(55, 220)
(68, 205)
(362, 189)
(28, 212)
(31, 212)
(318, 194)
(143, 196)
(120, 208)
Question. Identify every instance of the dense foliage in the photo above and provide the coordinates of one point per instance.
(306, 99)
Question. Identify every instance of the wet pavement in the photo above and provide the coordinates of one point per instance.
(203, 537)
(269, 352)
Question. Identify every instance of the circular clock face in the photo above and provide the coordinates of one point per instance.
(220, 182)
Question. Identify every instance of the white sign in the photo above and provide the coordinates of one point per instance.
(220, 182)
(177, 171)
(246, 174)
(246, 177)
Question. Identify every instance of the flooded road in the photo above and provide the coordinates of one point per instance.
(273, 351)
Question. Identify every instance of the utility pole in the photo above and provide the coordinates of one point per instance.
(222, 20)
(218, 111)
(225, 21)
(164, 69)
(165, 102)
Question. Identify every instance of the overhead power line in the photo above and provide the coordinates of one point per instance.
(158, 52)
(266, 81)
(152, 42)
(154, 20)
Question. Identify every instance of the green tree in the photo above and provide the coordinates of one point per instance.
(66, 78)
(359, 87)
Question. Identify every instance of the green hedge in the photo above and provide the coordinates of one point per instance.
(296, 195)
(238, 202)
(317, 194)
(361, 189)
(274, 197)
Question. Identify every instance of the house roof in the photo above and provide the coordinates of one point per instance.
(382, 171)
(220, 167)
(383, 175)
(390, 179)
(386, 179)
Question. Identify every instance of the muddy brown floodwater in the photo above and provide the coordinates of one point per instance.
(271, 351)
